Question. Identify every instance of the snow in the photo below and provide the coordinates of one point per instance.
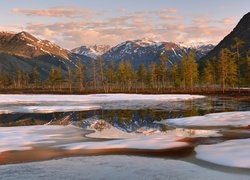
(143, 138)
(174, 52)
(45, 51)
(153, 142)
(95, 98)
(238, 118)
(234, 153)
(114, 167)
(106, 101)
(30, 45)
(94, 51)
(45, 109)
(22, 137)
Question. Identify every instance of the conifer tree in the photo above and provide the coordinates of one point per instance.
(173, 74)
(141, 74)
(209, 73)
(80, 75)
(110, 74)
(34, 77)
(69, 78)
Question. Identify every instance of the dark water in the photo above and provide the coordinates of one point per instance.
(130, 120)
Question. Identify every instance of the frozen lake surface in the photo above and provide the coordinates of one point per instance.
(187, 128)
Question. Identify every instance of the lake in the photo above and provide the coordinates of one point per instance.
(178, 127)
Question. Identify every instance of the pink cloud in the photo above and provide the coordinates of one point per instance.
(228, 20)
(200, 20)
(53, 12)
(167, 17)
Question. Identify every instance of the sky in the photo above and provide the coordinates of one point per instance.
(72, 23)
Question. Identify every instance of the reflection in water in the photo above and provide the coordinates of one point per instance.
(130, 120)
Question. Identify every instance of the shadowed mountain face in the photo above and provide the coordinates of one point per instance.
(242, 32)
(24, 51)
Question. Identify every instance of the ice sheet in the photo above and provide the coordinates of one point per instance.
(45, 109)
(238, 118)
(235, 153)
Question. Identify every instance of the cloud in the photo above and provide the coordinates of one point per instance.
(168, 10)
(167, 17)
(228, 20)
(10, 27)
(200, 20)
(115, 30)
(161, 24)
(54, 12)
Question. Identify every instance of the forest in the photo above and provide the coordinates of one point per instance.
(227, 71)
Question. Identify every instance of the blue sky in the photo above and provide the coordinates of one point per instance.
(72, 23)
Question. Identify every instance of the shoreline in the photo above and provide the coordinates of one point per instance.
(208, 92)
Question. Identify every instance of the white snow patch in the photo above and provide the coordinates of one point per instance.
(234, 153)
(22, 137)
(174, 52)
(238, 118)
(95, 98)
(46, 109)
(153, 142)
(45, 51)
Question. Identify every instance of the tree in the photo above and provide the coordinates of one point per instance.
(141, 74)
(34, 76)
(128, 74)
(173, 74)
(55, 77)
(227, 68)
(5, 79)
(101, 71)
(209, 73)
(69, 78)
(80, 74)
(248, 67)
(121, 74)
(237, 46)
(163, 68)
(152, 75)
(189, 70)
(110, 73)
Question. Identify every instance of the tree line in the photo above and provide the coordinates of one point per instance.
(223, 72)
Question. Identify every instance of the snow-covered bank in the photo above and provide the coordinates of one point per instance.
(71, 138)
(65, 103)
(46, 109)
(113, 167)
(151, 142)
(23, 137)
(235, 153)
(94, 98)
(238, 118)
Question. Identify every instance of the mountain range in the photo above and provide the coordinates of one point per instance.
(25, 51)
(141, 51)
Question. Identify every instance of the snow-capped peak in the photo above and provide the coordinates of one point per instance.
(94, 51)
(195, 45)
